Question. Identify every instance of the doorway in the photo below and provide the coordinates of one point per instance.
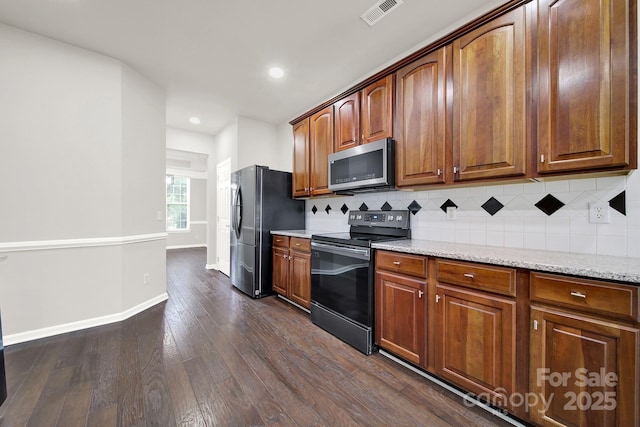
(223, 216)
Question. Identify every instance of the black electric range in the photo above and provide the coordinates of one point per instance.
(342, 279)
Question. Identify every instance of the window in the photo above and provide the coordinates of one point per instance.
(177, 202)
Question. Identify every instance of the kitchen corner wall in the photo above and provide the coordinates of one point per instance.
(513, 214)
(82, 161)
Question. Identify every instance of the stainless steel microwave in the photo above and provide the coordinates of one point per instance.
(367, 167)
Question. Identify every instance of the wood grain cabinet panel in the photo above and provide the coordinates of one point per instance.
(280, 278)
(421, 115)
(584, 111)
(291, 276)
(301, 159)
(321, 142)
(364, 116)
(377, 110)
(300, 278)
(584, 369)
(347, 122)
(489, 99)
(475, 342)
(400, 311)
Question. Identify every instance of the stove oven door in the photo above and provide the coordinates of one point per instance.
(342, 293)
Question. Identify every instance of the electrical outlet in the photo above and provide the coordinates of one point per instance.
(599, 213)
(146, 279)
(451, 213)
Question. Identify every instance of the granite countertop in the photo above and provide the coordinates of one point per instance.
(305, 234)
(624, 269)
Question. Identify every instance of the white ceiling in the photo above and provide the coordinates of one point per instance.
(212, 56)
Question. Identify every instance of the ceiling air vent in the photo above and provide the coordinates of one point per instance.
(379, 11)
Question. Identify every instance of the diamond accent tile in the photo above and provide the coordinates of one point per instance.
(492, 206)
(414, 207)
(364, 207)
(549, 204)
(619, 203)
(386, 207)
(327, 209)
(314, 209)
(344, 208)
(448, 204)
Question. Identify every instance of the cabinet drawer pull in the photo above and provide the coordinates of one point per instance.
(469, 275)
(578, 294)
(420, 293)
(297, 244)
(396, 262)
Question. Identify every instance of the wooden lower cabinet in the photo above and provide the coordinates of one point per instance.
(475, 342)
(583, 370)
(291, 276)
(400, 308)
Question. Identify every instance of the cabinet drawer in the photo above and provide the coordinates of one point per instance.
(281, 241)
(414, 265)
(586, 295)
(478, 276)
(300, 244)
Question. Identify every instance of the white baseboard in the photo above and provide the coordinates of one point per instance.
(202, 245)
(82, 324)
(211, 266)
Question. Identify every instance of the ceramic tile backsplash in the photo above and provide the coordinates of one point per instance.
(519, 223)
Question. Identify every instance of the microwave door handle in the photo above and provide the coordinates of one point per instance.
(363, 254)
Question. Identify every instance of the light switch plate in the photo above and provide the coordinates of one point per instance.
(451, 213)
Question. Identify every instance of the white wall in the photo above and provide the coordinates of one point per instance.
(82, 142)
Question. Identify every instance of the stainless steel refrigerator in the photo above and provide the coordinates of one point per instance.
(260, 202)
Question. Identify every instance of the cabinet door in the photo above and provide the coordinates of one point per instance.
(400, 325)
(421, 119)
(347, 122)
(300, 177)
(475, 342)
(377, 110)
(489, 96)
(584, 371)
(280, 275)
(300, 279)
(321, 125)
(584, 112)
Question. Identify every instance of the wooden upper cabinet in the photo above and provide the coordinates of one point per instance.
(420, 127)
(584, 89)
(321, 142)
(364, 116)
(489, 99)
(347, 122)
(300, 179)
(377, 110)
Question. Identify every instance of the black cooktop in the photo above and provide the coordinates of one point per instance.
(369, 227)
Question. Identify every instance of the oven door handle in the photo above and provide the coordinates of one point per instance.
(359, 253)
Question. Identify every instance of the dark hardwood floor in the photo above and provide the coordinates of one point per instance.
(213, 356)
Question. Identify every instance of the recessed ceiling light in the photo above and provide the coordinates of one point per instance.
(194, 120)
(276, 72)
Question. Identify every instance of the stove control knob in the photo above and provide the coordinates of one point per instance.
(359, 217)
(399, 218)
(391, 217)
(352, 216)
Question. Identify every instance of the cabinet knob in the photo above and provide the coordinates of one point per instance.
(420, 293)
(578, 294)
(439, 172)
(455, 170)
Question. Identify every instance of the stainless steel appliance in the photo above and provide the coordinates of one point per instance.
(342, 288)
(367, 167)
(260, 202)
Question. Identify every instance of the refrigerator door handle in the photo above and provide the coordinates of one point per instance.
(237, 214)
